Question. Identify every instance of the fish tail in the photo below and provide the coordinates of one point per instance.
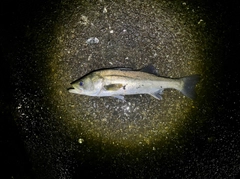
(189, 83)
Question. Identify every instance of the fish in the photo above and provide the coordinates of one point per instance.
(118, 82)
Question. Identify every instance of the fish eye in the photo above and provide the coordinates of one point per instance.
(81, 83)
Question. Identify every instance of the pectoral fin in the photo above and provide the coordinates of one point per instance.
(113, 87)
(157, 94)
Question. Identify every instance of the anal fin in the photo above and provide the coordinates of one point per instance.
(157, 94)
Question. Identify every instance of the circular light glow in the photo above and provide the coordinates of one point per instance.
(128, 35)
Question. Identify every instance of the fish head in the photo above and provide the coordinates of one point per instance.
(88, 85)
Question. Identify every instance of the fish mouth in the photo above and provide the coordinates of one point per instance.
(74, 90)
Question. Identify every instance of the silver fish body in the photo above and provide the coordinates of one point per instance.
(120, 82)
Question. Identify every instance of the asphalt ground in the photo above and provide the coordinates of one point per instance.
(49, 133)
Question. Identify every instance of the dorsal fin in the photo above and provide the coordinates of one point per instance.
(150, 69)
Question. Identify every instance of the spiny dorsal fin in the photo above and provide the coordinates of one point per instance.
(150, 69)
(124, 69)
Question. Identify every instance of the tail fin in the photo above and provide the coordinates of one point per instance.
(189, 83)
